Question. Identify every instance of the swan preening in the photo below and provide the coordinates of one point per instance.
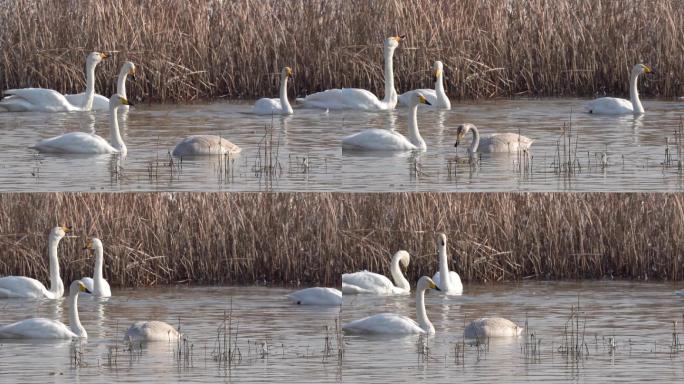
(373, 283)
(496, 142)
(266, 106)
(376, 139)
(616, 106)
(101, 103)
(437, 97)
(355, 98)
(97, 285)
(390, 323)
(89, 143)
(26, 287)
(48, 100)
(491, 327)
(452, 284)
(152, 331)
(41, 328)
(204, 145)
(317, 296)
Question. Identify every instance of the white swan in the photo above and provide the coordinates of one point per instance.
(437, 97)
(26, 287)
(204, 145)
(373, 283)
(317, 296)
(41, 328)
(48, 100)
(491, 327)
(97, 284)
(376, 139)
(281, 106)
(101, 103)
(616, 106)
(451, 285)
(152, 331)
(390, 323)
(496, 142)
(355, 98)
(89, 143)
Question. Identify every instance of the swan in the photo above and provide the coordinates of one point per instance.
(41, 328)
(616, 106)
(151, 331)
(491, 327)
(437, 97)
(101, 103)
(680, 293)
(369, 282)
(89, 143)
(26, 287)
(355, 98)
(97, 284)
(390, 323)
(376, 139)
(451, 285)
(203, 145)
(317, 296)
(266, 106)
(48, 100)
(496, 142)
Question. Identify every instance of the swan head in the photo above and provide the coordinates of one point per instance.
(117, 100)
(129, 69)
(461, 131)
(419, 99)
(425, 283)
(392, 42)
(93, 244)
(59, 232)
(77, 287)
(96, 57)
(642, 68)
(438, 68)
(441, 240)
(287, 72)
(403, 258)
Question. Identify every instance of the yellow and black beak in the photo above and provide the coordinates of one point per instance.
(423, 100)
(288, 71)
(88, 245)
(66, 228)
(648, 69)
(131, 73)
(125, 101)
(436, 75)
(104, 56)
(434, 286)
(83, 288)
(459, 136)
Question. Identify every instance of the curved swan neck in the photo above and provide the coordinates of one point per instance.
(74, 320)
(284, 102)
(90, 86)
(634, 93)
(121, 82)
(421, 315)
(444, 275)
(116, 140)
(476, 140)
(390, 93)
(56, 284)
(398, 277)
(414, 134)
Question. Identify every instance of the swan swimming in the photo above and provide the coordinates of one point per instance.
(101, 103)
(281, 106)
(376, 139)
(437, 97)
(616, 106)
(41, 328)
(496, 142)
(374, 283)
(26, 287)
(97, 285)
(89, 143)
(491, 327)
(355, 98)
(205, 145)
(317, 296)
(151, 331)
(390, 323)
(48, 100)
(451, 285)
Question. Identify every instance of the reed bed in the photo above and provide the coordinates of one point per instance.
(194, 49)
(312, 238)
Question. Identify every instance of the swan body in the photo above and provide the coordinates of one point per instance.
(151, 331)
(26, 287)
(437, 97)
(680, 293)
(41, 328)
(88, 143)
(48, 100)
(97, 285)
(491, 327)
(317, 296)
(203, 145)
(280, 106)
(617, 106)
(355, 98)
(390, 323)
(388, 140)
(365, 282)
(451, 285)
(101, 103)
(497, 142)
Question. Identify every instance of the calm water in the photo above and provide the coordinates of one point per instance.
(304, 152)
(279, 341)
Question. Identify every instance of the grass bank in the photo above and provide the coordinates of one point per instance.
(311, 238)
(194, 49)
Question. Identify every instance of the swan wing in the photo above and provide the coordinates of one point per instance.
(366, 282)
(492, 327)
(37, 100)
(267, 106)
(20, 286)
(38, 328)
(100, 103)
(505, 142)
(201, 145)
(75, 142)
(151, 331)
(376, 139)
(384, 323)
(105, 289)
(317, 296)
(609, 106)
(344, 98)
(456, 286)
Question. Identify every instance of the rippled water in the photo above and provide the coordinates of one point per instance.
(279, 341)
(303, 153)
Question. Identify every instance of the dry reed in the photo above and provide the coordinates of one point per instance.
(311, 238)
(191, 49)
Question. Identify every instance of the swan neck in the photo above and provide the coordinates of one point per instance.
(284, 102)
(97, 272)
(414, 134)
(121, 83)
(423, 320)
(390, 93)
(90, 87)
(476, 140)
(444, 275)
(442, 98)
(398, 277)
(74, 320)
(116, 140)
(56, 284)
(634, 94)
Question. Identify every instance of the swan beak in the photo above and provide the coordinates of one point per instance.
(83, 288)
(66, 228)
(132, 74)
(89, 245)
(103, 56)
(436, 75)
(289, 72)
(423, 100)
(648, 69)
(125, 101)
(434, 286)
